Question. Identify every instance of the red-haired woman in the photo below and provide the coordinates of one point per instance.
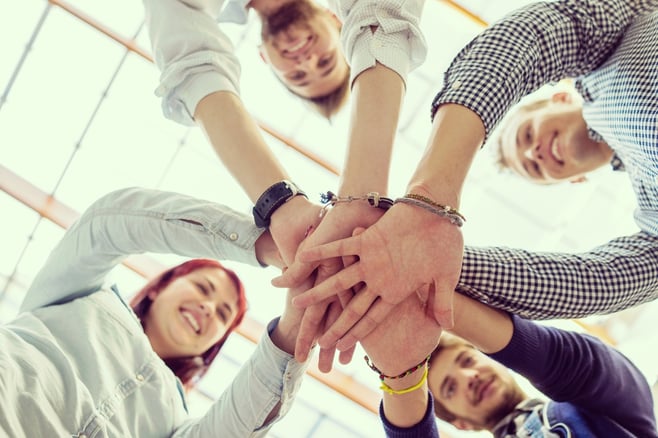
(78, 361)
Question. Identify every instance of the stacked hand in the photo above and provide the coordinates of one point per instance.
(404, 251)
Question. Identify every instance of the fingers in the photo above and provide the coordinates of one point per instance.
(326, 357)
(343, 280)
(345, 356)
(368, 323)
(294, 275)
(350, 315)
(338, 248)
(308, 331)
(443, 301)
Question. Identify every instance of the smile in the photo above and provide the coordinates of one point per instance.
(298, 48)
(191, 320)
(555, 151)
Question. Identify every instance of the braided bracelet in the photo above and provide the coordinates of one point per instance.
(373, 198)
(384, 387)
(383, 376)
(445, 211)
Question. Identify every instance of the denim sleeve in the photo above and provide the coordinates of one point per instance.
(398, 42)
(134, 221)
(580, 369)
(270, 378)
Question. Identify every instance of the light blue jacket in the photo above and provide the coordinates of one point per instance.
(76, 362)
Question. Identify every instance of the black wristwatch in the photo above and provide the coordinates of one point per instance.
(271, 199)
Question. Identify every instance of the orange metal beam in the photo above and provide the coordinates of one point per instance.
(467, 13)
(57, 212)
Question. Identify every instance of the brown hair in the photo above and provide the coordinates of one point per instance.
(497, 138)
(190, 369)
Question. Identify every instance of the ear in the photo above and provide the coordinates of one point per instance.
(463, 424)
(578, 179)
(562, 97)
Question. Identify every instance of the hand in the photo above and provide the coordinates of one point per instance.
(290, 224)
(338, 222)
(285, 334)
(405, 337)
(408, 248)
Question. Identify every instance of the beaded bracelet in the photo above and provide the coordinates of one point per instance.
(454, 216)
(373, 198)
(384, 387)
(411, 370)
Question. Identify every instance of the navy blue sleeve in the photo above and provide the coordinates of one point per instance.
(426, 428)
(580, 369)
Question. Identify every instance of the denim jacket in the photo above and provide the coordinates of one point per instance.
(76, 362)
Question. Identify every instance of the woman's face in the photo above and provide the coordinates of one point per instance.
(192, 313)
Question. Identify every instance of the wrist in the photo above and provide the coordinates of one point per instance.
(284, 336)
(272, 199)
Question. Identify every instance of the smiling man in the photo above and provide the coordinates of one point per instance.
(300, 42)
(592, 390)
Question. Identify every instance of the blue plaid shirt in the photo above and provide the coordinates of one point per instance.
(611, 47)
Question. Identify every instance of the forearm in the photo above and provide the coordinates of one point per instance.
(456, 136)
(373, 124)
(609, 278)
(488, 329)
(238, 142)
(406, 410)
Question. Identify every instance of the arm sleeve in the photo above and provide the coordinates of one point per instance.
(537, 44)
(609, 278)
(580, 369)
(270, 378)
(426, 428)
(194, 56)
(133, 221)
(397, 43)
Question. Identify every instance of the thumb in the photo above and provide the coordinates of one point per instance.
(443, 300)
(294, 275)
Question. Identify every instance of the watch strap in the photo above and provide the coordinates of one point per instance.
(274, 197)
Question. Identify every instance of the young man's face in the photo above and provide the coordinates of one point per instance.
(301, 44)
(475, 388)
(551, 143)
(192, 313)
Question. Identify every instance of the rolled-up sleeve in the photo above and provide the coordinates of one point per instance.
(396, 42)
(194, 56)
(269, 380)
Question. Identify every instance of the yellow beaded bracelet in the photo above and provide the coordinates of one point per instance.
(384, 387)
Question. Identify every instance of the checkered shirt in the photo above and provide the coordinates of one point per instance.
(612, 50)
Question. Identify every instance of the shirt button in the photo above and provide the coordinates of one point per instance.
(456, 85)
(139, 377)
(233, 236)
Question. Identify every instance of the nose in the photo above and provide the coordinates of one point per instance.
(534, 152)
(309, 60)
(206, 307)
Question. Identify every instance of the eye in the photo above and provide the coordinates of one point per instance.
(221, 315)
(468, 361)
(297, 75)
(451, 390)
(204, 290)
(528, 135)
(325, 61)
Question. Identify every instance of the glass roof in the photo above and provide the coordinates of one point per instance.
(79, 118)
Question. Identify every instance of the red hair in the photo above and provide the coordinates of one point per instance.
(190, 369)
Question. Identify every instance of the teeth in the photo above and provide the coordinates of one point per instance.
(555, 151)
(299, 45)
(191, 320)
